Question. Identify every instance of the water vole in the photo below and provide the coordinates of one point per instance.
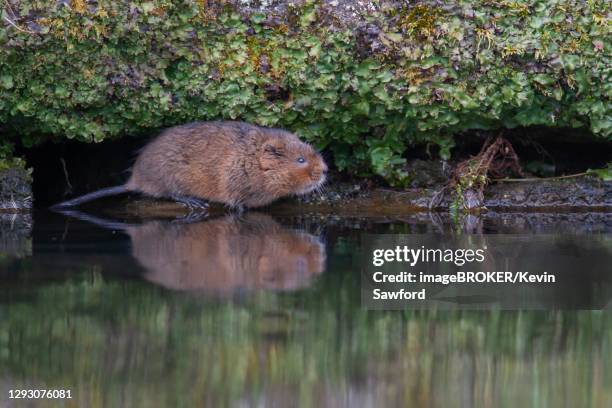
(233, 163)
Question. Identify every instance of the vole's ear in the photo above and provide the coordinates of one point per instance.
(268, 148)
(272, 149)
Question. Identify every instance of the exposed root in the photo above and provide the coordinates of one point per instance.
(468, 180)
(68, 185)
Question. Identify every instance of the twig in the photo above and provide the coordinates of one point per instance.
(14, 16)
(66, 175)
(540, 178)
(17, 27)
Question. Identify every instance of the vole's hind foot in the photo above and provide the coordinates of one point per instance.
(192, 217)
(193, 203)
(198, 208)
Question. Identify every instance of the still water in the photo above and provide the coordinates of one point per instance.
(265, 310)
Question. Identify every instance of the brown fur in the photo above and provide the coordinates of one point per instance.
(233, 163)
(223, 255)
(227, 162)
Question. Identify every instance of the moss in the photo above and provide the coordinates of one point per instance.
(14, 162)
(365, 88)
(15, 181)
(419, 19)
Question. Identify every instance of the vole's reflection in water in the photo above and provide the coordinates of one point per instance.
(224, 255)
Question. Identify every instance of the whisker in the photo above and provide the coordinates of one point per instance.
(322, 189)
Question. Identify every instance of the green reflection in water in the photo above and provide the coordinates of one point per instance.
(129, 343)
(67, 321)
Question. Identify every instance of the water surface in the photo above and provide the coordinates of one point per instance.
(264, 310)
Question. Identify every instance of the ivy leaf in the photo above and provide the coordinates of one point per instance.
(363, 69)
(6, 81)
(309, 16)
(362, 107)
(395, 37)
(544, 79)
(258, 18)
(381, 93)
(380, 157)
(148, 7)
(465, 100)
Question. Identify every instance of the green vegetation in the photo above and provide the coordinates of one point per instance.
(15, 180)
(365, 90)
(605, 174)
(7, 160)
(123, 343)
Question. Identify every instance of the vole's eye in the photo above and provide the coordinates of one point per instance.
(301, 160)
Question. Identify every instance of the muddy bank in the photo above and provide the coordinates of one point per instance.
(578, 195)
(420, 222)
(581, 193)
(357, 197)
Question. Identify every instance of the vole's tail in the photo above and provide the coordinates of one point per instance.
(101, 222)
(91, 196)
